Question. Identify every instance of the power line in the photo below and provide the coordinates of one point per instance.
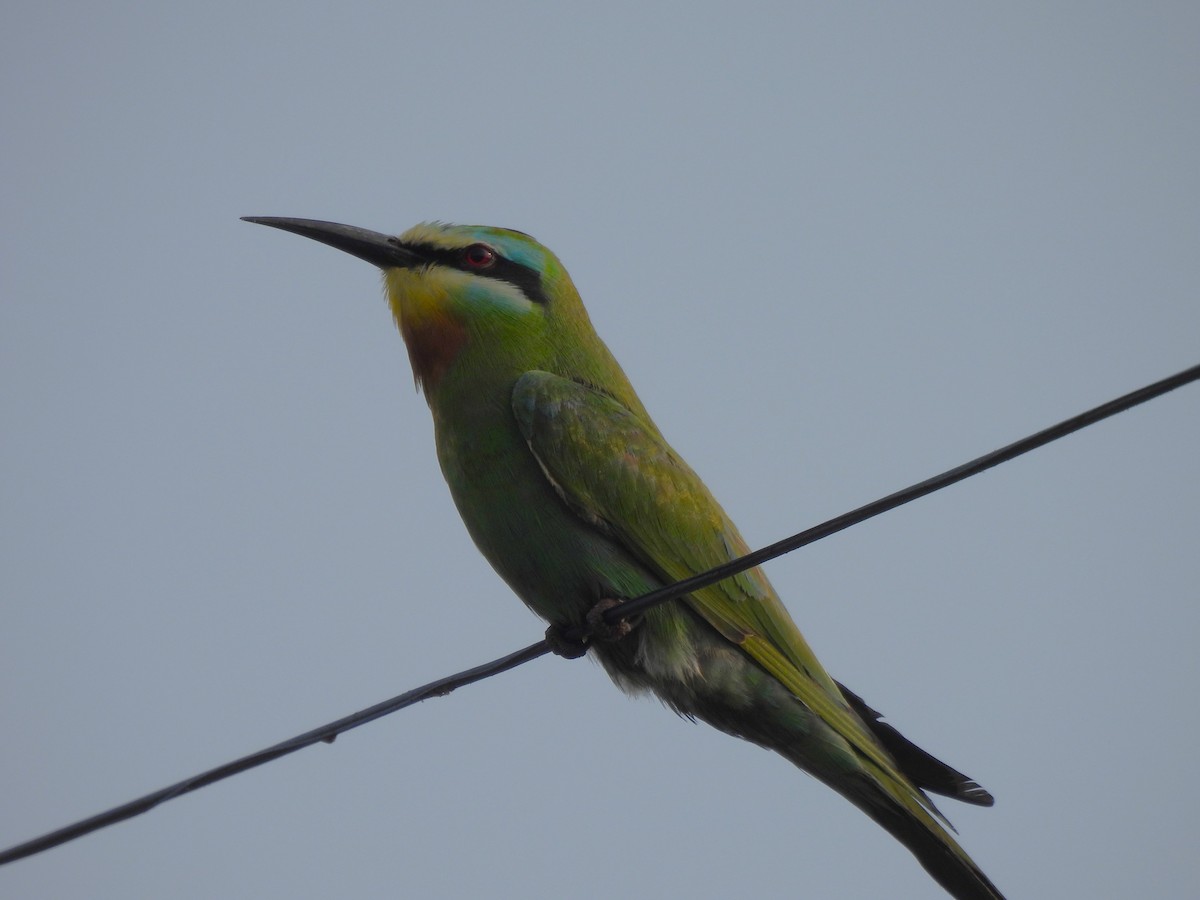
(443, 686)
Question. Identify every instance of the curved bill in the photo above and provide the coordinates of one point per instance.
(378, 249)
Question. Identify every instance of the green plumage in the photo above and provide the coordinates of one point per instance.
(574, 497)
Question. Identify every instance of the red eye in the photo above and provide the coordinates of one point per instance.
(479, 256)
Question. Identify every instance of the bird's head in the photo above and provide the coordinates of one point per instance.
(467, 297)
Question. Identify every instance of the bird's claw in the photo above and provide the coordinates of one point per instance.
(563, 642)
(602, 630)
(564, 645)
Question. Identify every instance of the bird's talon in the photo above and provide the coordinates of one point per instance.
(564, 646)
(600, 629)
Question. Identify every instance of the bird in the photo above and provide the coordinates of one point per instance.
(578, 502)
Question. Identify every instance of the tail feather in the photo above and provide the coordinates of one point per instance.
(923, 770)
(933, 847)
(894, 796)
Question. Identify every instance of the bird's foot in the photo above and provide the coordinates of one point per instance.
(602, 630)
(564, 644)
(563, 641)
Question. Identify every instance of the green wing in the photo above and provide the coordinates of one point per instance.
(617, 472)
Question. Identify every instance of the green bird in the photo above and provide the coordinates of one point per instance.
(578, 502)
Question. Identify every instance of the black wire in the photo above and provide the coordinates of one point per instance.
(444, 686)
(325, 733)
(910, 493)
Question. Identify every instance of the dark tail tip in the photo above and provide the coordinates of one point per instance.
(923, 770)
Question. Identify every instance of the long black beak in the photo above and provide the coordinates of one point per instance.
(377, 249)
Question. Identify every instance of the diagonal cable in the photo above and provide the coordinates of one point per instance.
(444, 686)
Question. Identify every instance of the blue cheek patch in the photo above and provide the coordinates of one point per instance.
(493, 293)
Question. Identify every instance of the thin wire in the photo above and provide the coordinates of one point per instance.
(908, 494)
(443, 686)
(326, 734)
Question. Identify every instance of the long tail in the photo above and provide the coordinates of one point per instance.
(930, 843)
(894, 796)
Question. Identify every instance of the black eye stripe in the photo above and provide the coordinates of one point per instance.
(525, 279)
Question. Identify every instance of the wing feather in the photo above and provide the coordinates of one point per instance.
(617, 472)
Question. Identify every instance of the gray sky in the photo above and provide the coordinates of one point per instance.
(838, 249)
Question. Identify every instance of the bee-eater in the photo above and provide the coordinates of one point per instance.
(578, 502)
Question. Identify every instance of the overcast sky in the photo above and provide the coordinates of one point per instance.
(838, 248)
